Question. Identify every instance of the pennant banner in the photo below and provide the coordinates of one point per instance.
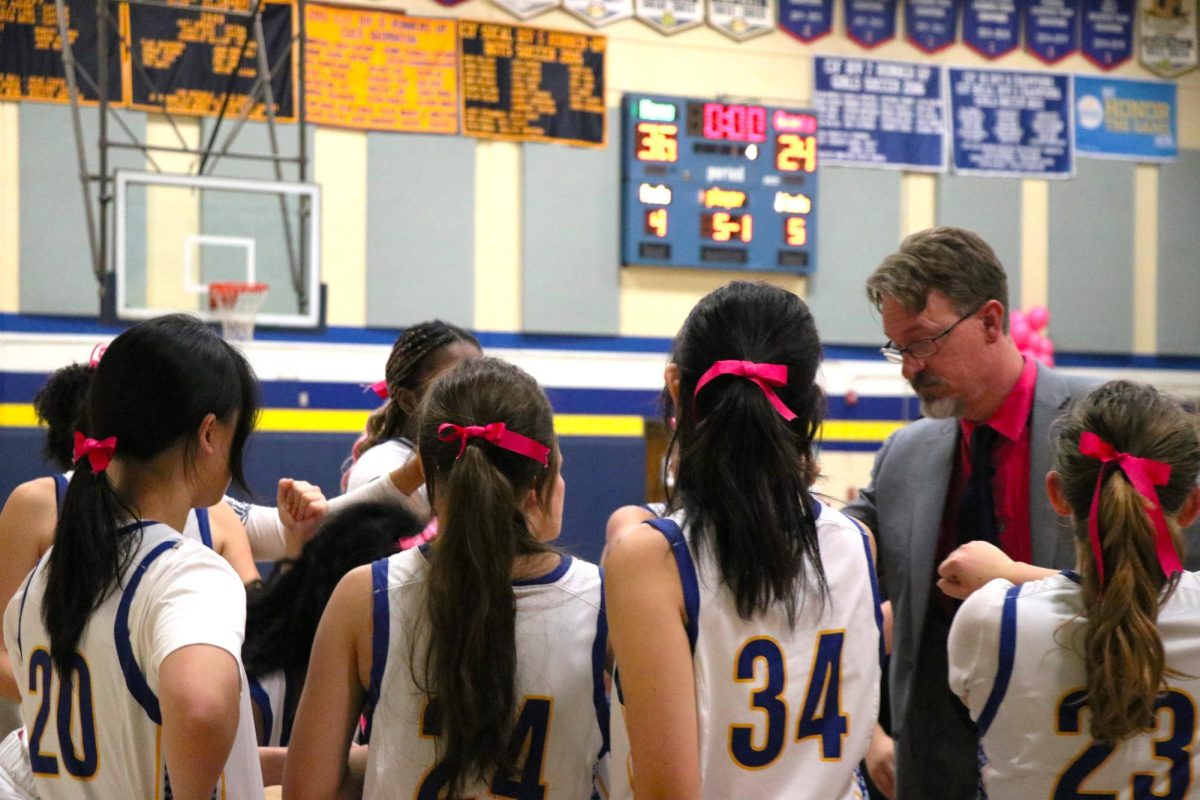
(871, 22)
(742, 19)
(807, 20)
(1168, 39)
(930, 24)
(1126, 119)
(1051, 29)
(1106, 32)
(991, 28)
(1011, 123)
(525, 9)
(599, 13)
(888, 114)
(669, 16)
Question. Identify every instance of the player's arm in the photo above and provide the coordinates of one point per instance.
(199, 693)
(334, 692)
(26, 532)
(976, 563)
(622, 520)
(654, 661)
(231, 542)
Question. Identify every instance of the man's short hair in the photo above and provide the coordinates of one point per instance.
(953, 261)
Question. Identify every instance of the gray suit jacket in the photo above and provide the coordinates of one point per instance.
(904, 505)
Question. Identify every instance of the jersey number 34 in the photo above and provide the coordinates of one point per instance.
(821, 716)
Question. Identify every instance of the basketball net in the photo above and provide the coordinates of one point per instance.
(235, 304)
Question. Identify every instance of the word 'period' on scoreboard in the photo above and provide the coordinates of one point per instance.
(718, 185)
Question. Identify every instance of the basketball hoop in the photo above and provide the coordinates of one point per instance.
(235, 304)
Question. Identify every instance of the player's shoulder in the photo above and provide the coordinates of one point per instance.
(169, 555)
(578, 578)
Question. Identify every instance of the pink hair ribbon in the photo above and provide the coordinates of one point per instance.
(99, 453)
(379, 388)
(498, 434)
(97, 354)
(764, 375)
(1144, 474)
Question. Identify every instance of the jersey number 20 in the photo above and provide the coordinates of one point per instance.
(820, 717)
(76, 690)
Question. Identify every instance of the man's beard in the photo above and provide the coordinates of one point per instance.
(942, 408)
(939, 407)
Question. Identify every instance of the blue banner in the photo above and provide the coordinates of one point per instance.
(880, 113)
(1106, 37)
(1011, 123)
(1125, 119)
(807, 20)
(871, 22)
(991, 28)
(1051, 29)
(930, 24)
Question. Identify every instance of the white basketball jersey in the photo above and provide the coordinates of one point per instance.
(1016, 661)
(268, 693)
(784, 712)
(562, 723)
(101, 737)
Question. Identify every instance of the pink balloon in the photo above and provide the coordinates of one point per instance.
(1016, 316)
(1018, 328)
(1038, 317)
(1047, 347)
(1048, 360)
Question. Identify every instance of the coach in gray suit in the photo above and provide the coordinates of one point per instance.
(943, 298)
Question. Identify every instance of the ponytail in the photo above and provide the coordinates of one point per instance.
(745, 440)
(743, 477)
(479, 489)
(89, 555)
(1126, 662)
(1123, 651)
(384, 423)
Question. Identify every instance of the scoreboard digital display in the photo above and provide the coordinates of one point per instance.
(719, 185)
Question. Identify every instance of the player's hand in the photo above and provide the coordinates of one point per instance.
(301, 506)
(970, 567)
(881, 763)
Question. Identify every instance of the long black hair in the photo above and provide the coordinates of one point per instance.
(155, 385)
(281, 620)
(59, 404)
(471, 660)
(744, 471)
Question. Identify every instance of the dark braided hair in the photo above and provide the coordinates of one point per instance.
(409, 369)
(59, 404)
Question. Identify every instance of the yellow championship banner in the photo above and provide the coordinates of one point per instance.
(380, 70)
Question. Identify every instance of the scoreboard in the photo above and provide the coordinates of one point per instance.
(718, 185)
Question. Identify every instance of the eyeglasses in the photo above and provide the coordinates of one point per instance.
(923, 348)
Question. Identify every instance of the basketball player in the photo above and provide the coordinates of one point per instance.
(29, 516)
(746, 623)
(126, 637)
(1085, 683)
(479, 658)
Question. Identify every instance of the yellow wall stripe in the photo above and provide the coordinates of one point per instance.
(835, 430)
(17, 415)
(328, 420)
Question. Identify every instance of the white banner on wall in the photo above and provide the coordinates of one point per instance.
(599, 13)
(670, 16)
(741, 19)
